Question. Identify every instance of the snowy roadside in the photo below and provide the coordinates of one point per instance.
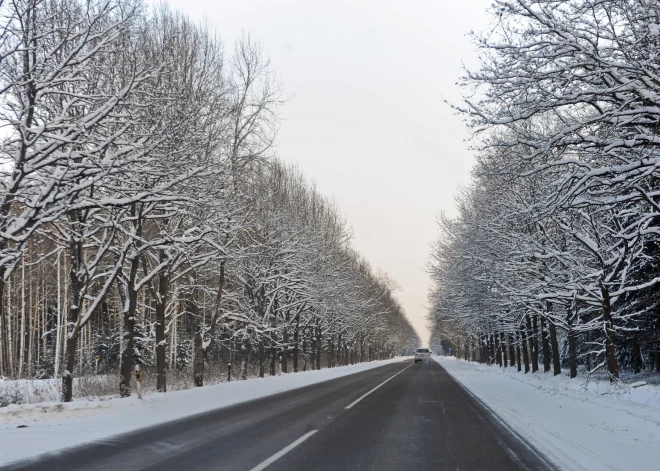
(576, 425)
(28, 430)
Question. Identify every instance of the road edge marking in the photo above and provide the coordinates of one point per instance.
(365, 395)
(282, 452)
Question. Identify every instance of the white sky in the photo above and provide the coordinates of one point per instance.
(367, 120)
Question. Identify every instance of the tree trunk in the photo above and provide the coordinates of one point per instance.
(319, 348)
(503, 346)
(535, 340)
(76, 284)
(556, 363)
(361, 340)
(285, 351)
(3, 338)
(296, 339)
(246, 358)
(485, 350)
(161, 304)
(69, 364)
(530, 344)
(273, 360)
(524, 349)
(498, 349)
(512, 353)
(312, 353)
(262, 359)
(518, 354)
(608, 327)
(198, 359)
(331, 353)
(572, 353)
(546, 346)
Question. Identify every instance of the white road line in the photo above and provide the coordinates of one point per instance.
(282, 452)
(365, 395)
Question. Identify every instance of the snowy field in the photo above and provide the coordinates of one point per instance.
(578, 425)
(27, 430)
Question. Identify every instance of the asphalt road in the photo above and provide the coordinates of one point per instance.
(400, 416)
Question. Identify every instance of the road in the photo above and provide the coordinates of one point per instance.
(401, 416)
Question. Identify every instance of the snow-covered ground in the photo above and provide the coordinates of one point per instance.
(578, 425)
(27, 430)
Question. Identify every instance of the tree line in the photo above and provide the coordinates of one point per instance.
(144, 218)
(553, 253)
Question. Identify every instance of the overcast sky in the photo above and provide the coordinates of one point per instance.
(367, 120)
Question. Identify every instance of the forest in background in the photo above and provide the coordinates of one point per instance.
(553, 254)
(144, 218)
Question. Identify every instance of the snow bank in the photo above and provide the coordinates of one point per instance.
(27, 430)
(578, 425)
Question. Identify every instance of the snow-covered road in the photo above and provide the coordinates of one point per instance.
(577, 426)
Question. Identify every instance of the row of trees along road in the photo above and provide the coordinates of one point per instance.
(144, 219)
(554, 250)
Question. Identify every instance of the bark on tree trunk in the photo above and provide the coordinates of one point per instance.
(608, 327)
(262, 359)
(512, 354)
(530, 344)
(246, 358)
(198, 341)
(69, 364)
(524, 349)
(485, 348)
(285, 351)
(361, 340)
(331, 353)
(312, 353)
(572, 353)
(3, 339)
(273, 360)
(76, 284)
(546, 346)
(198, 360)
(161, 304)
(504, 349)
(556, 363)
(535, 340)
(296, 339)
(128, 347)
(319, 348)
